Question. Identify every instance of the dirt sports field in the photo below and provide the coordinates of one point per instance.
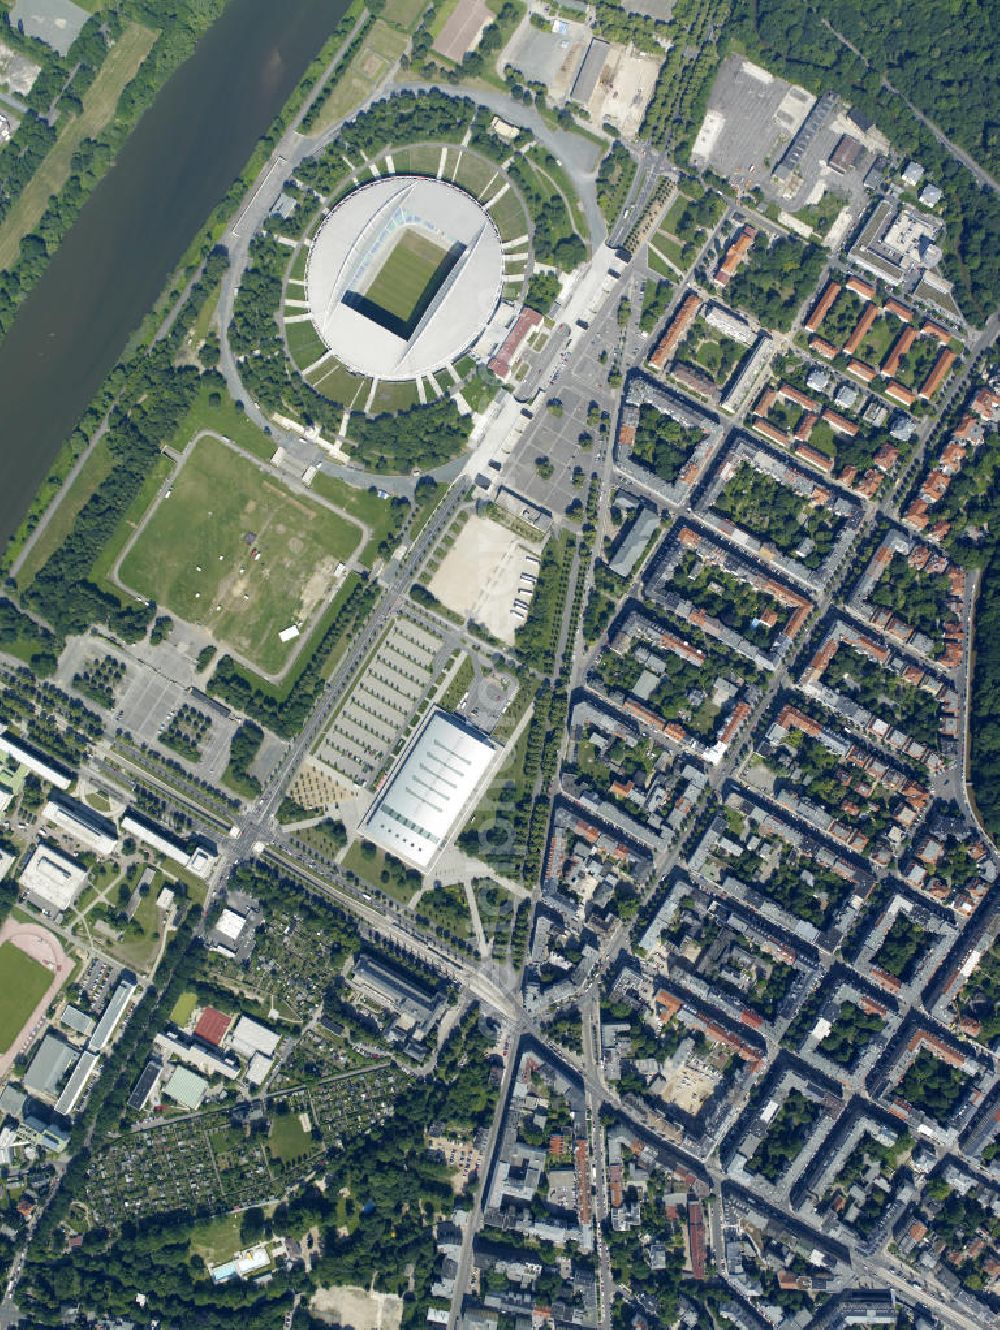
(357, 1307)
(482, 575)
(462, 31)
(42, 948)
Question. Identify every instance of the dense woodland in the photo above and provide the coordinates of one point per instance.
(985, 718)
(939, 56)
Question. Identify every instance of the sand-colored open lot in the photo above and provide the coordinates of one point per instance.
(689, 1089)
(483, 574)
(357, 1307)
(624, 89)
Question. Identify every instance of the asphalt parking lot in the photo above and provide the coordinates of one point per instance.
(557, 438)
(146, 700)
(757, 119)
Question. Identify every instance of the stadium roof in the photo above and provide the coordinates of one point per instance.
(437, 777)
(350, 249)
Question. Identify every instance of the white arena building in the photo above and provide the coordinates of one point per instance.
(355, 275)
(436, 779)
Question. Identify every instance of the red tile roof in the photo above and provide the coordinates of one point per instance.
(212, 1026)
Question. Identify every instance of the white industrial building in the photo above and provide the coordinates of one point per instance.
(435, 780)
(52, 880)
(259, 1069)
(250, 1038)
(231, 925)
(112, 1016)
(350, 250)
(77, 1083)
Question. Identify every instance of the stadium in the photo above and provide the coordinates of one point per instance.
(403, 276)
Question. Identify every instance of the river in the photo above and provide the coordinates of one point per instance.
(174, 169)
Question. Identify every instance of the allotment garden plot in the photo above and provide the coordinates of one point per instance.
(231, 548)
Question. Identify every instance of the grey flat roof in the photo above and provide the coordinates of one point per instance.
(49, 1065)
(54, 21)
(590, 71)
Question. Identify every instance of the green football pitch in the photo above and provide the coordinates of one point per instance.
(409, 278)
(22, 986)
(232, 548)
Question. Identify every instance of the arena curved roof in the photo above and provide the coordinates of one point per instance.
(433, 783)
(351, 250)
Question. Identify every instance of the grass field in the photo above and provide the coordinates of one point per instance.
(99, 104)
(477, 174)
(409, 278)
(509, 216)
(221, 417)
(879, 340)
(305, 345)
(425, 158)
(391, 396)
(22, 986)
(287, 1139)
(194, 557)
(138, 949)
(217, 1240)
(183, 1008)
(660, 266)
(340, 384)
(404, 13)
(381, 49)
(365, 505)
(370, 871)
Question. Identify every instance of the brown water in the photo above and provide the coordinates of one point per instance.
(176, 166)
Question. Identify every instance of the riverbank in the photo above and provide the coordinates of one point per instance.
(114, 262)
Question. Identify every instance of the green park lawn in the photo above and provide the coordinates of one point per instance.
(217, 1240)
(305, 345)
(22, 986)
(195, 556)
